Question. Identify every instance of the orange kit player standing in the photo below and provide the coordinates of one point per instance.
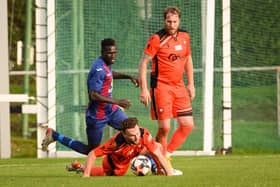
(121, 148)
(170, 53)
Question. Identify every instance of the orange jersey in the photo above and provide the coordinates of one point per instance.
(169, 55)
(119, 153)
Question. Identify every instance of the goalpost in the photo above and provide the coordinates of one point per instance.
(5, 135)
(46, 72)
(227, 138)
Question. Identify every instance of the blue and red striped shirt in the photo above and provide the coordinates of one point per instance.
(100, 80)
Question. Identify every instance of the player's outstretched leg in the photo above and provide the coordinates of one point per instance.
(76, 145)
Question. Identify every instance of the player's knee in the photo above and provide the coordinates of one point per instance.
(163, 132)
(186, 129)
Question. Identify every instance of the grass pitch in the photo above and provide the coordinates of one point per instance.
(230, 170)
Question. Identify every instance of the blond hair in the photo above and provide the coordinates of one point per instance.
(172, 10)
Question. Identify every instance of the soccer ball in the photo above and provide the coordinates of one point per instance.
(141, 165)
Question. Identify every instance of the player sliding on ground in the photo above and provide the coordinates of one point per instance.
(118, 151)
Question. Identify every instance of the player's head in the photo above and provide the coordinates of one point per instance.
(172, 17)
(131, 131)
(109, 50)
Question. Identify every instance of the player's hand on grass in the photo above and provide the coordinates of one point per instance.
(85, 175)
(160, 172)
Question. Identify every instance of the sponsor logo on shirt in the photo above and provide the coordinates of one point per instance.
(178, 47)
(173, 57)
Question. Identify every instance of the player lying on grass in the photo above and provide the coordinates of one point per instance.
(118, 151)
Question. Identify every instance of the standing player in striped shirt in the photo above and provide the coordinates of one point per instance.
(170, 53)
(102, 107)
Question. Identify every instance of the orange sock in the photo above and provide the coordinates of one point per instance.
(162, 135)
(178, 137)
(97, 171)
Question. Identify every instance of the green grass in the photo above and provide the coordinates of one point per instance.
(218, 171)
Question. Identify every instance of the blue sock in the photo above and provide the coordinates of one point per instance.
(154, 166)
(75, 145)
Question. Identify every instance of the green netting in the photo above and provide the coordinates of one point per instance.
(255, 45)
(81, 25)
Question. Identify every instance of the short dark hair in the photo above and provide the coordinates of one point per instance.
(107, 42)
(129, 123)
(173, 10)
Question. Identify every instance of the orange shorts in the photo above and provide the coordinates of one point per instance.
(111, 169)
(170, 101)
